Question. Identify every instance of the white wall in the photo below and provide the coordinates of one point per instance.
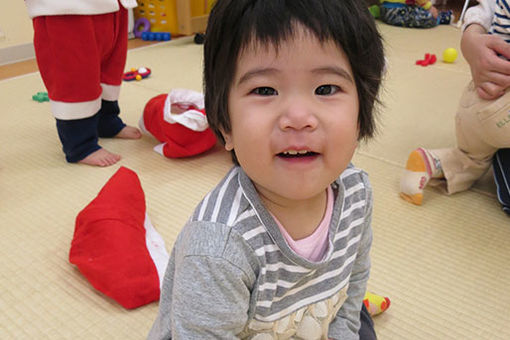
(14, 23)
(16, 31)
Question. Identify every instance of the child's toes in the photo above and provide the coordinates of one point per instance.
(129, 132)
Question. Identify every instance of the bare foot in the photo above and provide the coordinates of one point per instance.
(101, 157)
(129, 132)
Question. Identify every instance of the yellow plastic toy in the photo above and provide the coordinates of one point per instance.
(376, 304)
(450, 55)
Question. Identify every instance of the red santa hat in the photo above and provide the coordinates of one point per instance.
(115, 245)
(179, 122)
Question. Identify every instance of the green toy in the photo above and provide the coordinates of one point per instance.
(41, 97)
(375, 11)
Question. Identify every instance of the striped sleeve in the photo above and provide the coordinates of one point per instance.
(501, 20)
(347, 322)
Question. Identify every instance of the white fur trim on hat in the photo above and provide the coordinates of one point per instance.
(186, 96)
(159, 148)
(192, 119)
(156, 248)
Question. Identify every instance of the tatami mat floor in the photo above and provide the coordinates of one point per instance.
(444, 265)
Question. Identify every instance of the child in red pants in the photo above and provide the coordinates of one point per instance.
(81, 51)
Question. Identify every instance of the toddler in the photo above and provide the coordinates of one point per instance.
(482, 120)
(81, 51)
(280, 248)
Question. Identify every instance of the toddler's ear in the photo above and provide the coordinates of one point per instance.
(229, 143)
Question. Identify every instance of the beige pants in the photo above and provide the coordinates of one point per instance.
(482, 127)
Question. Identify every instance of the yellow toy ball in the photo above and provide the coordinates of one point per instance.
(138, 77)
(449, 55)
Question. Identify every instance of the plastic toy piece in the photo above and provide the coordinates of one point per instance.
(375, 11)
(137, 74)
(199, 38)
(376, 304)
(157, 36)
(41, 97)
(428, 60)
(450, 55)
(141, 25)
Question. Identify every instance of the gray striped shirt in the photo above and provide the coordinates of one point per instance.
(232, 275)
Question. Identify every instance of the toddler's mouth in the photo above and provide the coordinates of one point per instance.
(297, 154)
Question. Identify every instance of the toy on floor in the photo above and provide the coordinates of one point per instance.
(375, 11)
(41, 97)
(376, 304)
(157, 36)
(199, 38)
(429, 59)
(445, 17)
(137, 74)
(115, 245)
(178, 121)
(141, 25)
(450, 55)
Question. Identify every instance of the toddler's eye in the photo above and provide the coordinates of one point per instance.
(265, 91)
(326, 90)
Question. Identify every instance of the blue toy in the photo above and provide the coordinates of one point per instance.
(158, 36)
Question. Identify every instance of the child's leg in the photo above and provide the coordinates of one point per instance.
(421, 166)
(78, 137)
(480, 131)
(113, 60)
(68, 58)
(79, 141)
(109, 124)
(482, 127)
(501, 165)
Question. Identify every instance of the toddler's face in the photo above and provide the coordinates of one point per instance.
(294, 116)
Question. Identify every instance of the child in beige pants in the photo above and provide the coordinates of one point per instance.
(483, 118)
(482, 127)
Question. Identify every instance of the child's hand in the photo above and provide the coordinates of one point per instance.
(489, 91)
(491, 73)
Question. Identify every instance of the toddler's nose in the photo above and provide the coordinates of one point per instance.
(298, 114)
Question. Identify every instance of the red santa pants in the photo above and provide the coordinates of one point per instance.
(81, 59)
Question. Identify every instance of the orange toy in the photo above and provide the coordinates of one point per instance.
(376, 304)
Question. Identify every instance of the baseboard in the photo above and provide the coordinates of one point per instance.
(16, 53)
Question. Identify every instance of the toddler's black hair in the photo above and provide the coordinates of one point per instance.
(234, 24)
